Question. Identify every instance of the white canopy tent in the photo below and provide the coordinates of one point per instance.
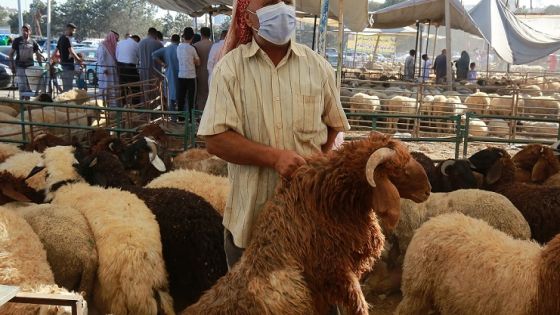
(355, 11)
(514, 41)
(424, 11)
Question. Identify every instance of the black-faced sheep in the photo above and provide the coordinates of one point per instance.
(491, 207)
(191, 230)
(42, 141)
(16, 189)
(24, 263)
(131, 277)
(448, 175)
(325, 213)
(21, 164)
(540, 205)
(459, 265)
(142, 158)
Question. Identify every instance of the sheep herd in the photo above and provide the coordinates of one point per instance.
(534, 100)
(137, 231)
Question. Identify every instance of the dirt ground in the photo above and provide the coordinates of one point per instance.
(383, 305)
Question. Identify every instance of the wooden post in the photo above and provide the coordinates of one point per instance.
(340, 42)
(448, 44)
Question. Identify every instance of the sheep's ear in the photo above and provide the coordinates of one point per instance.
(539, 172)
(386, 202)
(34, 171)
(495, 172)
(9, 192)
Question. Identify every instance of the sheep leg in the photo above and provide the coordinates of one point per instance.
(354, 299)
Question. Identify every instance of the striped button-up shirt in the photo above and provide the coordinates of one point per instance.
(287, 106)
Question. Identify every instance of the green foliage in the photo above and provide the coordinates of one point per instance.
(552, 10)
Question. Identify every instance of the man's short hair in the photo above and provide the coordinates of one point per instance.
(412, 52)
(472, 65)
(152, 31)
(135, 37)
(188, 33)
(223, 34)
(206, 32)
(175, 38)
(159, 35)
(27, 26)
(71, 25)
(425, 56)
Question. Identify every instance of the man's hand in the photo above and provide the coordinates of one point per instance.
(287, 162)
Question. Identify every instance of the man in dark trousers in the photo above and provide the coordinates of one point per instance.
(68, 56)
(23, 47)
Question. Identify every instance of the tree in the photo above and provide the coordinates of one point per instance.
(552, 10)
(175, 24)
(374, 6)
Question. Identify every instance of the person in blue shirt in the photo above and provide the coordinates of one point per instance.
(167, 58)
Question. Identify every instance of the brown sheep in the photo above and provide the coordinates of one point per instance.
(540, 205)
(44, 140)
(319, 234)
(535, 163)
(201, 160)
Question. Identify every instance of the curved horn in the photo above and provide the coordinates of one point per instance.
(445, 165)
(152, 144)
(376, 158)
(111, 146)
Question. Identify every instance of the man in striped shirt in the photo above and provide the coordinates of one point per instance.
(271, 102)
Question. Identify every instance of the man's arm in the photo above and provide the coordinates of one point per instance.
(12, 61)
(331, 136)
(73, 53)
(234, 148)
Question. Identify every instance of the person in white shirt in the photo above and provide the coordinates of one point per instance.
(427, 67)
(214, 53)
(127, 59)
(188, 60)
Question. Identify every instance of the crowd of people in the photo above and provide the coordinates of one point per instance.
(465, 70)
(187, 62)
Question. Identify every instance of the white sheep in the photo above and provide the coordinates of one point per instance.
(363, 103)
(498, 128)
(478, 103)
(200, 160)
(501, 105)
(75, 96)
(540, 129)
(215, 189)
(491, 207)
(8, 110)
(542, 106)
(10, 131)
(477, 128)
(7, 150)
(401, 105)
(131, 278)
(24, 263)
(69, 243)
(459, 265)
(533, 90)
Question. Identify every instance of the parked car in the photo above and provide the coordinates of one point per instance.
(5, 59)
(6, 75)
(90, 60)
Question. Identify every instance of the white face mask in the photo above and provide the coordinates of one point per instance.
(277, 23)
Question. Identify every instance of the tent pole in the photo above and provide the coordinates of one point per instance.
(211, 25)
(448, 43)
(416, 48)
(376, 44)
(355, 47)
(488, 61)
(435, 43)
(195, 24)
(322, 43)
(419, 51)
(49, 39)
(428, 36)
(20, 17)
(314, 33)
(340, 42)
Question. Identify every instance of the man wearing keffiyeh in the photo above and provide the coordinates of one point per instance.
(107, 73)
(271, 101)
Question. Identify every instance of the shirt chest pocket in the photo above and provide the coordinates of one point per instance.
(307, 113)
